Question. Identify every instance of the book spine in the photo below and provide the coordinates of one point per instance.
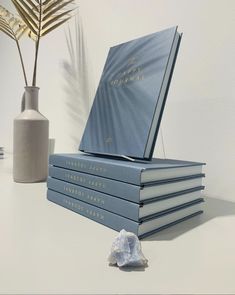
(126, 174)
(99, 215)
(101, 200)
(165, 91)
(119, 189)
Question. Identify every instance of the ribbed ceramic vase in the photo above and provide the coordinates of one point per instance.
(30, 142)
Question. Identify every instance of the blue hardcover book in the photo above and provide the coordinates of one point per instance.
(129, 102)
(124, 190)
(131, 172)
(134, 211)
(117, 222)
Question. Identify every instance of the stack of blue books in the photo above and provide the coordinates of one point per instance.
(140, 197)
(115, 181)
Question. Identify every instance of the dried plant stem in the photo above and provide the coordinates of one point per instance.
(21, 57)
(22, 62)
(35, 63)
(37, 45)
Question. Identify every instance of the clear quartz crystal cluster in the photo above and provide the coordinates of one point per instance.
(126, 251)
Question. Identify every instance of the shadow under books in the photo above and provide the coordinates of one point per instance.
(212, 208)
(130, 268)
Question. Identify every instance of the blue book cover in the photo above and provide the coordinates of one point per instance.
(129, 102)
(124, 190)
(134, 211)
(127, 171)
(117, 222)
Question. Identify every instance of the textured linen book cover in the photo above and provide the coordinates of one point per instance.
(133, 193)
(127, 171)
(131, 210)
(127, 109)
(117, 222)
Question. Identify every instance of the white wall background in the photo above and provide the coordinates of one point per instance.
(199, 118)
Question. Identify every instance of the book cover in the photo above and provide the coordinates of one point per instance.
(117, 222)
(134, 211)
(124, 190)
(127, 171)
(129, 102)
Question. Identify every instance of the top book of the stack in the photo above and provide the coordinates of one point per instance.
(129, 102)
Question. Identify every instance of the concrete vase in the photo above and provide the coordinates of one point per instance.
(30, 142)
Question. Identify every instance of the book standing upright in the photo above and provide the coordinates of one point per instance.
(130, 99)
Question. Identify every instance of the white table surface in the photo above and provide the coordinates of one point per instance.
(46, 249)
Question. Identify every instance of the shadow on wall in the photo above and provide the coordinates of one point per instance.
(212, 208)
(78, 87)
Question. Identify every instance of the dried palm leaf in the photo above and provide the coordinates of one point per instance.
(42, 17)
(10, 25)
(15, 29)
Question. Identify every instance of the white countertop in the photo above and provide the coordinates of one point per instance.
(46, 249)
